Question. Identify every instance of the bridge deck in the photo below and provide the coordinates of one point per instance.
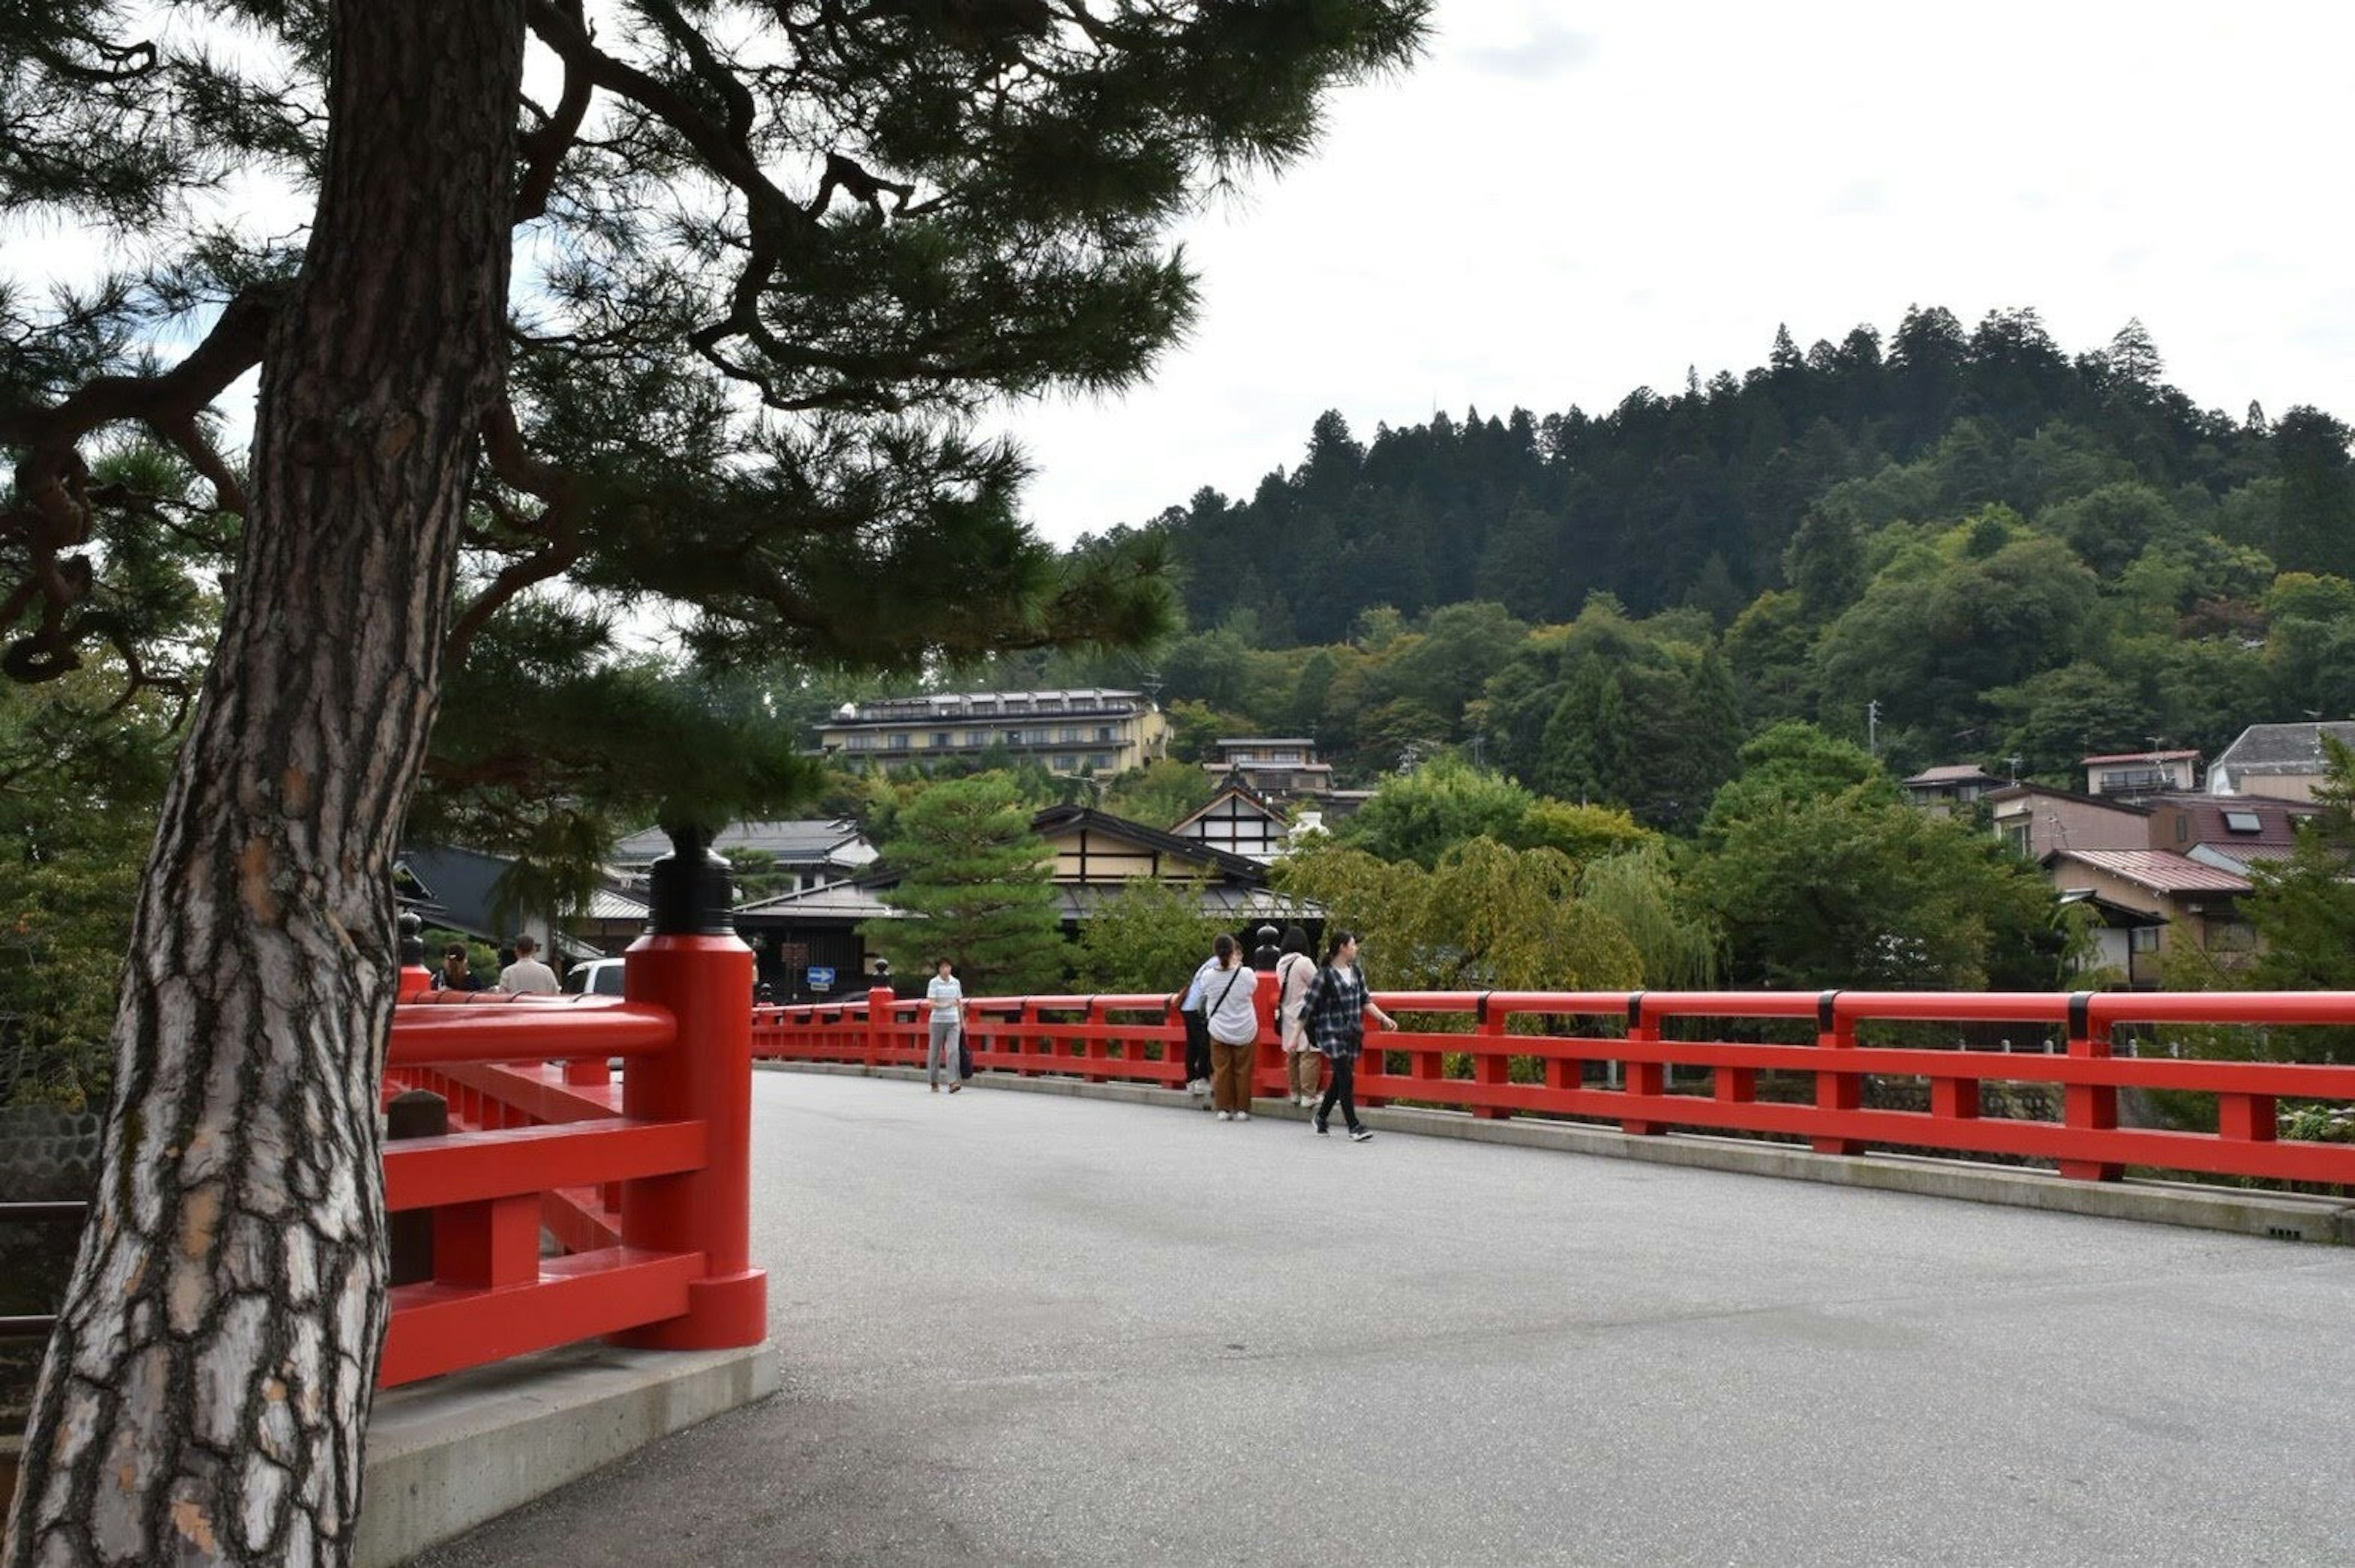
(1022, 1328)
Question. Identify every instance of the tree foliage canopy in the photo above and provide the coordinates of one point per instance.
(974, 884)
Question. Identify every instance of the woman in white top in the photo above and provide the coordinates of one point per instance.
(947, 998)
(1231, 1008)
(1303, 1062)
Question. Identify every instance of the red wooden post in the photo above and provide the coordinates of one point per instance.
(1173, 1050)
(2088, 1107)
(488, 1244)
(1269, 1070)
(1839, 1091)
(1093, 1042)
(1646, 1078)
(1489, 1062)
(692, 963)
(1955, 1099)
(879, 1019)
(2250, 1118)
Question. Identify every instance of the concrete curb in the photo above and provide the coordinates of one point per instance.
(2282, 1216)
(453, 1452)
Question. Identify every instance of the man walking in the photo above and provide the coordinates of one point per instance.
(528, 975)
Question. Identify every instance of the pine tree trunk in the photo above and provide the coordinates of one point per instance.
(206, 1392)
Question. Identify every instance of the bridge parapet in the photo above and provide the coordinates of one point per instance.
(1617, 1057)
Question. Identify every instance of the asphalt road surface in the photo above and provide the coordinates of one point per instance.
(1023, 1328)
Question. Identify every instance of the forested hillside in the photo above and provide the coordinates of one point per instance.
(2014, 552)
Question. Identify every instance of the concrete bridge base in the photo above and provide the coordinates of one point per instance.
(447, 1455)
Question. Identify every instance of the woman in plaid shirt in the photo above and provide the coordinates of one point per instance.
(1334, 1012)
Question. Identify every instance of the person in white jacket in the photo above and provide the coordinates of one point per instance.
(1231, 1008)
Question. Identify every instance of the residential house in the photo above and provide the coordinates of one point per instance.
(1938, 791)
(802, 853)
(2130, 774)
(2036, 819)
(2198, 903)
(459, 890)
(1241, 821)
(2125, 938)
(2232, 832)
(2286, 762)
(1091, 730)
(1273, 766)
(1095, 854)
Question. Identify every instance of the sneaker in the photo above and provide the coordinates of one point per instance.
(1225, 1117)
(954, 1087)
(1242, 1115)
(1359, 1135)
(1320, 1129)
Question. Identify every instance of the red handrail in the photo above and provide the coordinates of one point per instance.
(644, 1183)
(1475, 1071)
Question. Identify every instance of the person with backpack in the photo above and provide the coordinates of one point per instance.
(1303, 1064)
(1230, 1013)
(1336, 1010)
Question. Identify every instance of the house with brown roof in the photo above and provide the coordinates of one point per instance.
(2230, 832)
(1938, 791)
(2036, 819)
(2127, 774)
(2198, 903)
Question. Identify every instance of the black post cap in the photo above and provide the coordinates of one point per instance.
(412, 940)
(689, 891)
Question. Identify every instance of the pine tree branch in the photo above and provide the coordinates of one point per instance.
(53, 514)
(557, 525)
(544, 145)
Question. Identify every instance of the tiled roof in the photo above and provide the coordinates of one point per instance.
(607, 904)
(1955, 772)
(2162, 870)
(805, 840)
(2283, 748)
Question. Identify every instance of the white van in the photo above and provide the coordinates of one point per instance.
(598, 977)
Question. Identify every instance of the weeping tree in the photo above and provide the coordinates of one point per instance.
(681, 306)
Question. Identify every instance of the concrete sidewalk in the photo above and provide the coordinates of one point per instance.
(1027, 1328)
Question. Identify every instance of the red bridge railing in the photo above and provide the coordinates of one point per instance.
(644, 1186)
(1499, 1060)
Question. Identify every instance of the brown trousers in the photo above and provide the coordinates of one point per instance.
(1230, 1067)
(1304, 1069)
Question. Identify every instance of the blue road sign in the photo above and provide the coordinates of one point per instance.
(821, 977)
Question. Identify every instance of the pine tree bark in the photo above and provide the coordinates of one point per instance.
(206, 1392)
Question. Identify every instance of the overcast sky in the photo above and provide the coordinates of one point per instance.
(1564, 202)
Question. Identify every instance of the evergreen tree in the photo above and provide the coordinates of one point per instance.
(976, 882)
(1588, 750)
(777, 259)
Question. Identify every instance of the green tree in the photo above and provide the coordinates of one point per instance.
(1583, 833)
(1790, 763)
(1588, 751)
(2303, 907)
(1845, 891)
(1483, 916)
(975, 888)
(1637, 890)
(709, 327)
(1161, 793)
(1148, 937)
(1418, 817)
(80, 781)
